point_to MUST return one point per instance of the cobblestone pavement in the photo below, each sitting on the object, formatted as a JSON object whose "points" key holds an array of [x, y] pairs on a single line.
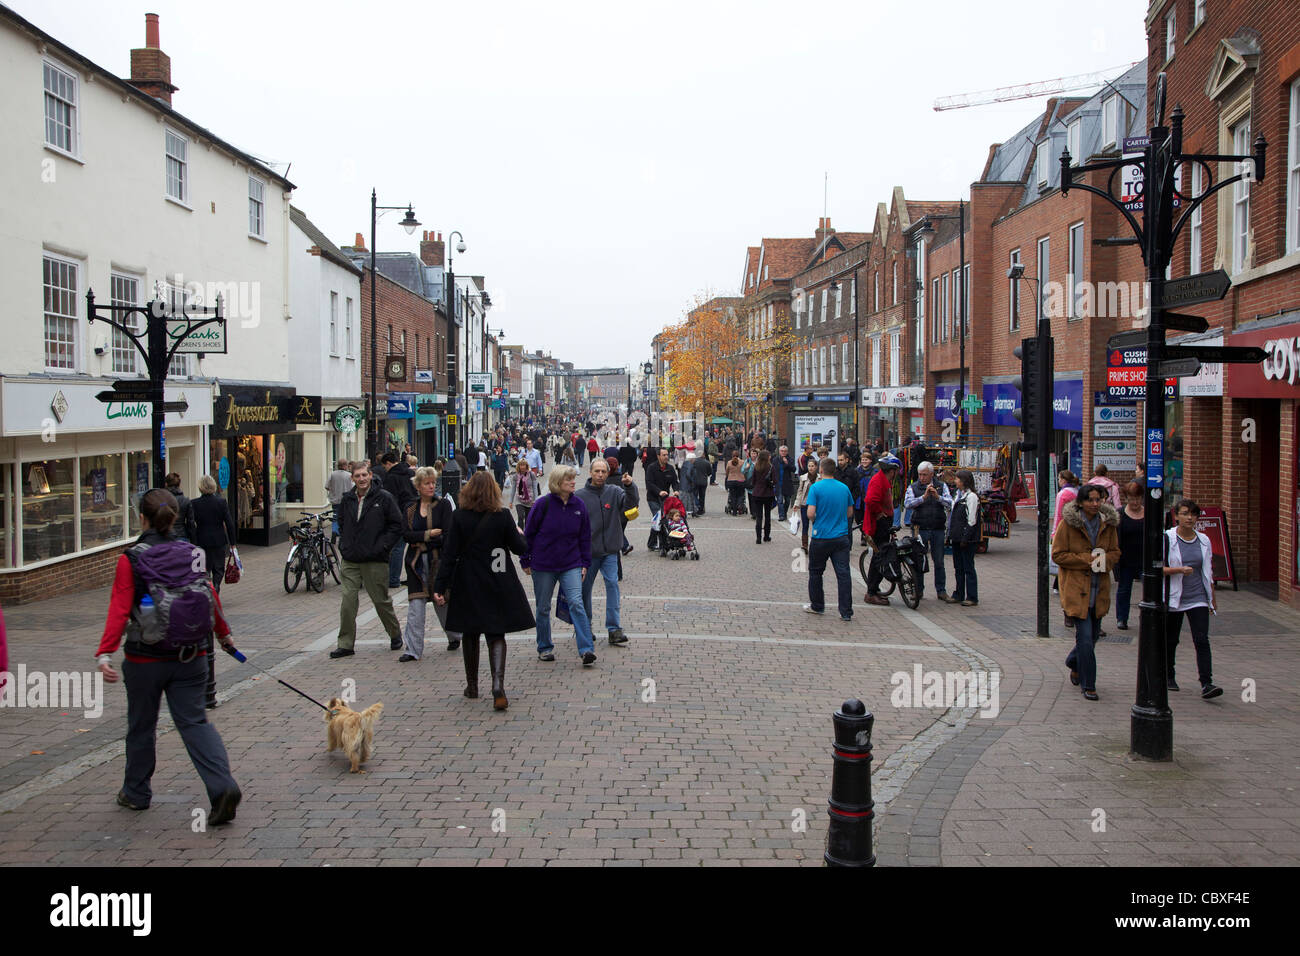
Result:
{"points": [[704, 740]]}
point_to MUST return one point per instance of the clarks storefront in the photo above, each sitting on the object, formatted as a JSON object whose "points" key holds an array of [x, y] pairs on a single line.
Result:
{"points": [[72, 470], [257, 458]]}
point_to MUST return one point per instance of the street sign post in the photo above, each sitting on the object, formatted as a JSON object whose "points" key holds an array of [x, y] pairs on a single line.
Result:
{"points": [[1179, 368], [1248, 354], [1193, 290]]}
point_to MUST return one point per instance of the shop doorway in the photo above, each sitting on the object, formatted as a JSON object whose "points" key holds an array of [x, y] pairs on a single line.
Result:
{"points": [[1264, 491]]}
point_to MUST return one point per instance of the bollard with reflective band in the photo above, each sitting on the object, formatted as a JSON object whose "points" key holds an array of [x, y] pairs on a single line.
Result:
{"points": [[848, 839]]}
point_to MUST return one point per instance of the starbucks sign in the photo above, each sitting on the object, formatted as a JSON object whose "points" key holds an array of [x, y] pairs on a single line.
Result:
{"points": [[348, 419]]}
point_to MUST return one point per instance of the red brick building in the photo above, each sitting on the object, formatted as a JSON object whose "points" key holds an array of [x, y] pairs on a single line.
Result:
{"points": [[1233, 66], [1087, 289]]}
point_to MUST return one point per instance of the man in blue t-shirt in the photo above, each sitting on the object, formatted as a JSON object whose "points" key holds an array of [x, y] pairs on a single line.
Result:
{"points": [[830, 515]]}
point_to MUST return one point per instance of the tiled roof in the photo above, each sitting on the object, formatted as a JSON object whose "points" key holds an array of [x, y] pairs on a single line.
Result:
{"points": [[327, 249]]}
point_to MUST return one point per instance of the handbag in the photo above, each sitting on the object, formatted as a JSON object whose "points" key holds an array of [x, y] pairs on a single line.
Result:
{"points": [[562, 608], [233, 568]]}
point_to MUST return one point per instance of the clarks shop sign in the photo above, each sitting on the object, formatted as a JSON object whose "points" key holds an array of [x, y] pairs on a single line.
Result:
{"points": [[260, 411], [58, 406]]}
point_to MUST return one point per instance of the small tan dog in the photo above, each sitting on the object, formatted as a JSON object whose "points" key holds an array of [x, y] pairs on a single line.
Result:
{"points": [[353, 731]]}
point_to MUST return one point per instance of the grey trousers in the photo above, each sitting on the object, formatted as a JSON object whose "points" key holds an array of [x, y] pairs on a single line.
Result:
{"points": [[184, 684], [413, 636]]}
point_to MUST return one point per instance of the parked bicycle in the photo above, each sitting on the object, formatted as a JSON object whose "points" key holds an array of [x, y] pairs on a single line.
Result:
{"points": [[903, 565], [312, 554]]}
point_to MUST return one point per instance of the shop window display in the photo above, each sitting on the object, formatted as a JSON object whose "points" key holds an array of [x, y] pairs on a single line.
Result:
{"points": [[7, 544], [102, 500], [49, 508], [285, 474], [139, 475], [252, 471]]}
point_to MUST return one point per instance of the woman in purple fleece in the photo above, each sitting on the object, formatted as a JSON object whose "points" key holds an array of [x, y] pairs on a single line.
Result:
{"points": [[559, 551]]}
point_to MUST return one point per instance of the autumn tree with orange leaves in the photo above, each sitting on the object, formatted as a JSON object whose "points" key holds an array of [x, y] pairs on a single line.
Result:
{"points": [[704, 353]]}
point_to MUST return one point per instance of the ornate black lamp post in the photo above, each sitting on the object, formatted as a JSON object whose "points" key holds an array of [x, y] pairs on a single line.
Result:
{"points": [[410, 224]]}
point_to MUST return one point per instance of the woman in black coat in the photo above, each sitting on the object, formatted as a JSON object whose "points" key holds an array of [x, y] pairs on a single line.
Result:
{"points": [[214, 532], [486, 596]]}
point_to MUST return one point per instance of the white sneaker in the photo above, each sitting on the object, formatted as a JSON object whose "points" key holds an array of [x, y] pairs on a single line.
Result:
{"points": [[810, 610]]}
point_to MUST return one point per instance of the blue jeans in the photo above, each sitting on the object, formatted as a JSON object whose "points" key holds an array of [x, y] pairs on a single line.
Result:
{"points": [[1124, 578], [837, 550], [395, 564], [780, 505], [1084, 657], [608, 568], [544, 589], [963, 566], [933, 542]]}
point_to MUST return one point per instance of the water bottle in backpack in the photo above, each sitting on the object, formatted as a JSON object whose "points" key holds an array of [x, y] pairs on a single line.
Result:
{"points": [[176, 610]]}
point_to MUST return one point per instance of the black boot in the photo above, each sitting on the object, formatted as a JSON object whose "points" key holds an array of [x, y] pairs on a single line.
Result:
{"points": [[469, 647], [497, 660]]}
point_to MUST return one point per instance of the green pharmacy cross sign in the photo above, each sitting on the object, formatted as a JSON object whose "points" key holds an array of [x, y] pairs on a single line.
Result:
{"points": [[972, 404]]}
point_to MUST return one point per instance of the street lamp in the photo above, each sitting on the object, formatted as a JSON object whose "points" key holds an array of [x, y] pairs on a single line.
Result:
{"points": [[857, 389], [410, 224], [451, 313], [928, 230]]}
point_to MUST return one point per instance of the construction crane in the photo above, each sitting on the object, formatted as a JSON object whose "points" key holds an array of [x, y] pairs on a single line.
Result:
{"points": [[1028, 91]]}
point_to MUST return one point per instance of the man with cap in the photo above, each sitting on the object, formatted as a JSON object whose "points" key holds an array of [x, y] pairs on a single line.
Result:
{"points": [[879, 521]]}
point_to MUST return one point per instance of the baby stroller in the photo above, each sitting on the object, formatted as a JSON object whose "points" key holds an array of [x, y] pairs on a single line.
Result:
{"points": [[675, 537]]}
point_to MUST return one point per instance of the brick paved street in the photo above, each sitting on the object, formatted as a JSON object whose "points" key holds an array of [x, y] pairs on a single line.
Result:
{"points": [[718, 766]]}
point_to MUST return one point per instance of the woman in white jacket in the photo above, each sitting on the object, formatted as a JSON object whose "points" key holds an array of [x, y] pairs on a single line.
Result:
{"points": [[1190, 577]]}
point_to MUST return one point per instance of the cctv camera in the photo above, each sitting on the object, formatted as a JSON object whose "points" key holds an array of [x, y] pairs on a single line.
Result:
{"points": [[461, 247], [1016, 272], [100, 350]]}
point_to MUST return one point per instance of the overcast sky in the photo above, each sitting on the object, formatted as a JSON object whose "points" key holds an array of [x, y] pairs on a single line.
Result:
{"points": [[605, 162]]}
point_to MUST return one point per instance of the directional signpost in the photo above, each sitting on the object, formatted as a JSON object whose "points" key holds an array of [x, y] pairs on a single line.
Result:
{"points": [[1179, 368], [166, 331], [1149, 183]]}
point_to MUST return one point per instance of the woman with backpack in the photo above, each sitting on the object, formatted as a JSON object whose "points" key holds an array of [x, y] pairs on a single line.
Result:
{"points": [[964, 533], [168, 612]]}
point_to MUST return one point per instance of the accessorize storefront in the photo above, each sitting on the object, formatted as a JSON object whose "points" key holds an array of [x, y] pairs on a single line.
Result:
{"points": [[257, 457], [72, 470]]}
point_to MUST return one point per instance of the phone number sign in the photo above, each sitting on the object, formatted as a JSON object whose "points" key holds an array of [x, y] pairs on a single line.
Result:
{"points": [[1126, 375]]}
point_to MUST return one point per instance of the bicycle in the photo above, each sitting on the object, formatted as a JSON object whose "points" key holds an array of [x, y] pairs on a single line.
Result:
{"points": [[910, 559], [311, 555]]}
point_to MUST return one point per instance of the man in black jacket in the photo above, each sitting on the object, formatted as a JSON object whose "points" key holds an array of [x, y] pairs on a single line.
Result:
{"points": [[369, 526], [660, 480], [398, 483], [627, 456]]}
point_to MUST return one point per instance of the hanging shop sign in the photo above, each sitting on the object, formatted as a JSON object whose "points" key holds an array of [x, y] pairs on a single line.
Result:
{"points": [[1001, 399], [348, 419], [401, 405], [480, 383], [308, 410]]}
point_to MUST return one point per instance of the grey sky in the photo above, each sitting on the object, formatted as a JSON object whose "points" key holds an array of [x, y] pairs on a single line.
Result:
{"points": [[605, 162]]}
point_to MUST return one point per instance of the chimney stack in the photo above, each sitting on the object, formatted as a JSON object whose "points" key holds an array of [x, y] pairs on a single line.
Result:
{"points": [[151, 68], [824, 227], [360, 244], [432, 249]]}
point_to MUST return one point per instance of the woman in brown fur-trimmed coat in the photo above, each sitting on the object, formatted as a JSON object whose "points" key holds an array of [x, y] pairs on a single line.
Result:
{"points": [[1086, 549], [427, 521]]}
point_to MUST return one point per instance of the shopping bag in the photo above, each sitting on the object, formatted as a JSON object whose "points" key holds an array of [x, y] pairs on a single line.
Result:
{"points": [[562, 608], [795, 522]]}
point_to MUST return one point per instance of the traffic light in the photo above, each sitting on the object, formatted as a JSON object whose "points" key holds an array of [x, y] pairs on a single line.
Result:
{"points": [[1033, 381]]}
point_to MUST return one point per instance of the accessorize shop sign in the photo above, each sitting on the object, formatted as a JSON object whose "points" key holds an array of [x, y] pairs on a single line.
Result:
{"points": [[249, 410]]}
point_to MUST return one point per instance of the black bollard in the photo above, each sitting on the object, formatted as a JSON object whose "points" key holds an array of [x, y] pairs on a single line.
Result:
{"points": [[848, 840]]}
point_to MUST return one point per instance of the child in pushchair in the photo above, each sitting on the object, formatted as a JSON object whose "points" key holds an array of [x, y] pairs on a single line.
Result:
{"points": [[675, 538]]}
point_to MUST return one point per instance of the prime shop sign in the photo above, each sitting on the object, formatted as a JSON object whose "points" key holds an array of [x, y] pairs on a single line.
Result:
{"points": [[1126, 374]]}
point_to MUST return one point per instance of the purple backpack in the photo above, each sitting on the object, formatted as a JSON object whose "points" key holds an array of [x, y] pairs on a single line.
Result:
{"points": [[174, 575]]}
